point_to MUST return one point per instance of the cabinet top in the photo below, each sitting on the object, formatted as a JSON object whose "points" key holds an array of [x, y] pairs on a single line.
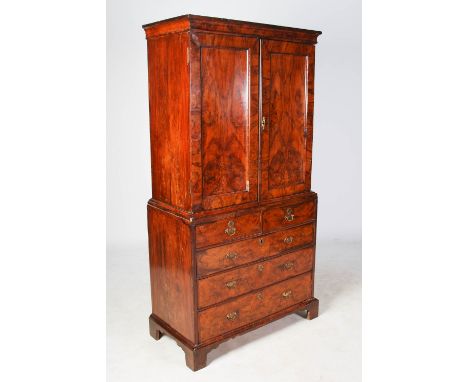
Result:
{"points": [[214, 24]]}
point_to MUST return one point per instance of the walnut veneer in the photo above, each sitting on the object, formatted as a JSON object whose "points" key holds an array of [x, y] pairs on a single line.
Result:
{"points": [[232, 219]]}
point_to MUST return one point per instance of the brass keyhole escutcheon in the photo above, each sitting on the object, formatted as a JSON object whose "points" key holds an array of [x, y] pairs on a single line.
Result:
{"points": [[288, 240], [260, 241], [260, 267], [232, 316], [289, 216], [260, 296], [231, 255], [230, 230]]}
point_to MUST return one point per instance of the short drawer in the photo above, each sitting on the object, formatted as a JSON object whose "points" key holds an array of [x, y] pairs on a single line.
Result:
{"points": [[247, 309], [290, 238], [230, 255], [280, 217], [220, 287], [228, 229]]}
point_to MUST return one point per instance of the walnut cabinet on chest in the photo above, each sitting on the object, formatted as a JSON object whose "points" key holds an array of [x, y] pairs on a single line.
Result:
{"points": [[232, 218]]}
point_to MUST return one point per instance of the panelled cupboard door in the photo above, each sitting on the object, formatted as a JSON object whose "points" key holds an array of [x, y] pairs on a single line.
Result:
{"points": [[287, 109], [224, 119]]}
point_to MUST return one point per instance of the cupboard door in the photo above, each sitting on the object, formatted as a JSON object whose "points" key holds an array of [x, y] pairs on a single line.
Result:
{"points": [[224, 118], [287, 109]]}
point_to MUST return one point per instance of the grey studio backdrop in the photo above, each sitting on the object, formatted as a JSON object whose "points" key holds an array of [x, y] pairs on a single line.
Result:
{"points": [[336, 168]]}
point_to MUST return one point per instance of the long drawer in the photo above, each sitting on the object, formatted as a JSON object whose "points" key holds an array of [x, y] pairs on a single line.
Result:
{"points": [[232, 255], [220, 287], [254, 306]]}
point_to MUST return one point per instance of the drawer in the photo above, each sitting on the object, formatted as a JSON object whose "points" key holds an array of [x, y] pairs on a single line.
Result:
{"points": [[220, 287], [230, 255], [247, 309], [228, 229], [290, 238], [280, 217]]}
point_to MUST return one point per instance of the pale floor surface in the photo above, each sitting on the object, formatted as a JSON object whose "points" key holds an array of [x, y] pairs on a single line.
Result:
{"points": [[327, 348]]}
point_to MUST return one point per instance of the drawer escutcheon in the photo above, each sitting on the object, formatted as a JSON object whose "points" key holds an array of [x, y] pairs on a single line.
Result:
{"points": [[232, 316], [231, 284]]}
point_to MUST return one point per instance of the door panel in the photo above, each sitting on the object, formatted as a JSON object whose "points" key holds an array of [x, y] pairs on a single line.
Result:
{"points": [[287, 105], [228, 119]]}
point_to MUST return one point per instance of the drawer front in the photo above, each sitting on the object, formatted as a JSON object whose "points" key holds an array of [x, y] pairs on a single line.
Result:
{"points": [[280, 217], [254, 306], [291, 238], [220, 287], [230, 255], [228, 229]]}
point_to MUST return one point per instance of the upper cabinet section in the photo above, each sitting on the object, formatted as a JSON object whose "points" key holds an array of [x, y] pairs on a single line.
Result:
{"points": [[231, 107]]}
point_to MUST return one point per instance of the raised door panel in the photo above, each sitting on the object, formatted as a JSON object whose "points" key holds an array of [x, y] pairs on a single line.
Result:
{"points": [[287, 106], [224, 112]]}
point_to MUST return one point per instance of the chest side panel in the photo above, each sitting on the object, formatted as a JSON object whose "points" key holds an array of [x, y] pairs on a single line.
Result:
{"points": [[171, 271]]}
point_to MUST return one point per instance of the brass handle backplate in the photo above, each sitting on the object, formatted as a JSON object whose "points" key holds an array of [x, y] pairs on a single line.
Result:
{"points": [[231, 255], [288, 240], [230, 230], [231, 284], [287, 293], [288, 265], [232, 316], [289, 216], [260, 267]]}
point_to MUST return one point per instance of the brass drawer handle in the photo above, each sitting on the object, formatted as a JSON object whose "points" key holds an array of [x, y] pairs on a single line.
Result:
{"points": [[232, 316], [231, 255], [288, 240], [231, 284], [289, 217], [287, 294], [230, 230], [288, 265], [260, 267]]}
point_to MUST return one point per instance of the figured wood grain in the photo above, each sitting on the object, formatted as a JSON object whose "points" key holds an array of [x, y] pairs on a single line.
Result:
{"points": [[287, 102], [275, 218], [214, 233], [169, 114], [253, 306], [224, 120], [171, 271], [232, 255], [212, 163], [290, 238], [230, 284]]}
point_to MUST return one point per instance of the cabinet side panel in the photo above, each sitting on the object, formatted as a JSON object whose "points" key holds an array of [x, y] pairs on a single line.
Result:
{"points": [[171, 271], [168, 73]]}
